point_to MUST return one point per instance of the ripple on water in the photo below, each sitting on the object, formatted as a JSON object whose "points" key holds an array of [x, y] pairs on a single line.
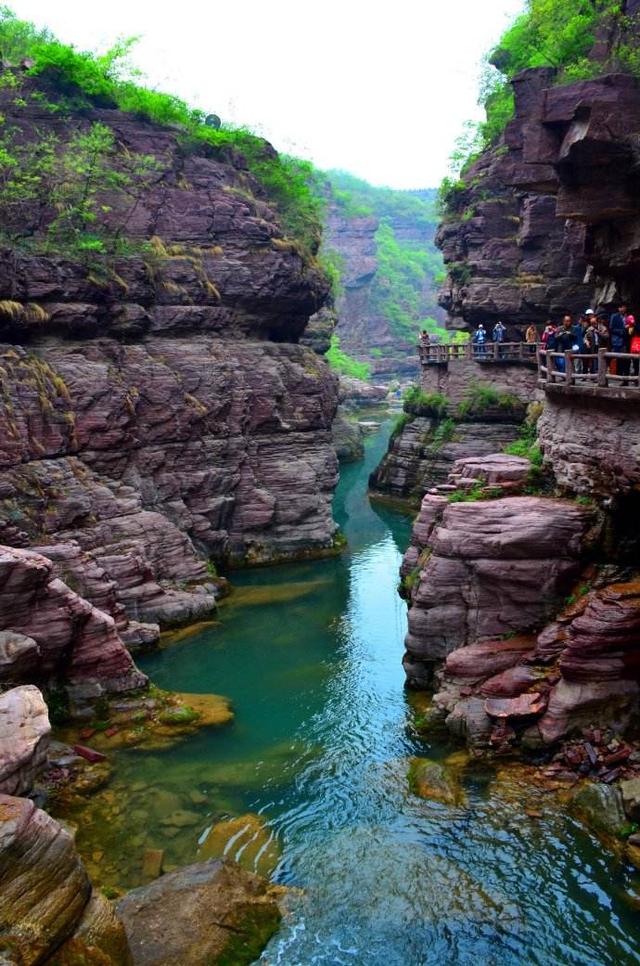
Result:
{"points": [[320, 750]]}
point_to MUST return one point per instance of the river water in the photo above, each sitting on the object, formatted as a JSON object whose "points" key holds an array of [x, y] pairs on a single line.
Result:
{"points": [[310, 657]]}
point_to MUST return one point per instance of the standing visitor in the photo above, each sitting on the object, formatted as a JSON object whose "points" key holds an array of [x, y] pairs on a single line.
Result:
{"points": [[567, 340], [531, 335], [499, 332], [548, 336], [633, 331], [479, 340], [590, 339], [618, 336]]}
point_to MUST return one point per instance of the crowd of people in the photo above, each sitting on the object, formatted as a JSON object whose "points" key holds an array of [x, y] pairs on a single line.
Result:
{"points": [[584, 336]]}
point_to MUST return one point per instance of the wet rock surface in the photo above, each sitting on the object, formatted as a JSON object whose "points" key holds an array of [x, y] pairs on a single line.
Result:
{"points": [[209, 912], [46, 901]]}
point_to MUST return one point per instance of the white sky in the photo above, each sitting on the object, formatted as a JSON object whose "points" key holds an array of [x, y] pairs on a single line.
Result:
{"points": [[379, 89]]}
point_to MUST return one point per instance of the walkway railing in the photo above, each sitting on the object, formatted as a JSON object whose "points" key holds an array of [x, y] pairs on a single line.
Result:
{"points": [[599, 371], [438, 354]]}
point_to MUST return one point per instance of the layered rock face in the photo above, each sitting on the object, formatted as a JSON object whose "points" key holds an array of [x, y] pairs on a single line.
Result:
{"points": [[552, 216], [162, 414], [50, 634], [486, 569], [592, 444], [424, 451], [509, 256], [24, 739], [47, 905], [579, 671]]}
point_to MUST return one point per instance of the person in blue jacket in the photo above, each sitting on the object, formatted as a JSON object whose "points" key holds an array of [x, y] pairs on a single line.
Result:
{"points": [[619, 339]]}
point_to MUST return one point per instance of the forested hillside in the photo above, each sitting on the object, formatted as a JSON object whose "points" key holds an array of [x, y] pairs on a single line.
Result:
{"points": [[382, 240]]}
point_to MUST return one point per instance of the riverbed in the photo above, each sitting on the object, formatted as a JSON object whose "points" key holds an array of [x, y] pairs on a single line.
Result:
{"points": [[309, 655]]}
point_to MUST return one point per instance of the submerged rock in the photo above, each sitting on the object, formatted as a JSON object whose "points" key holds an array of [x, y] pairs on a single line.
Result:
{"points": [[436, 782], [600, 807], [211, 912], [247, 839]]}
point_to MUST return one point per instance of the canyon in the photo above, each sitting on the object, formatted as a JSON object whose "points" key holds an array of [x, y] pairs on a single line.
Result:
{"points": [[166, 417]]}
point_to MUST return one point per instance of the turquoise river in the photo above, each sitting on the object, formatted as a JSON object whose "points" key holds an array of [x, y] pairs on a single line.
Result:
{"points": [[309, 655]]}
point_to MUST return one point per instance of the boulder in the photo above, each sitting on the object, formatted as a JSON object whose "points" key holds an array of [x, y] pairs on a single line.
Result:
{"points": [[600, 807], [43, 885], [494, 568], [630, 790], [24, 739], [208, 912]]}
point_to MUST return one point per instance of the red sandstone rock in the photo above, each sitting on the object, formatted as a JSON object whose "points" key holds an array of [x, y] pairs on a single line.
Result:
{"points": [[478, 662], [24, 739], [75, 641], [89, 754], [496, 567], [46, 896], [522, 706]]}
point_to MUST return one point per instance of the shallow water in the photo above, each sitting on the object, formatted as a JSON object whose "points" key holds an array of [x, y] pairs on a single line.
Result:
{"points": [[319, 748]]}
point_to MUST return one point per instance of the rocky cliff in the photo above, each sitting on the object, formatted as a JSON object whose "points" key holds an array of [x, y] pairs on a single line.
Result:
{"points": [[525, 608], [466, 407], [156, 409]]}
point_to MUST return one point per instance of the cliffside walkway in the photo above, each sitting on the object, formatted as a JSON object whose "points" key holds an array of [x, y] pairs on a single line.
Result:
{"points": [[511, 352], [612, 374]]}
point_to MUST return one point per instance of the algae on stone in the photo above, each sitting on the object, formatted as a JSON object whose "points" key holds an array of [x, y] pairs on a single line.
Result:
{"points": [[247, 839]]}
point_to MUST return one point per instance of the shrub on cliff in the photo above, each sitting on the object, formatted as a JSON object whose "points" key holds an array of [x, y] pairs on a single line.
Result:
{"points": [[342, 362], [425, 403], [549, 33], [85, 79], [479, 398]]}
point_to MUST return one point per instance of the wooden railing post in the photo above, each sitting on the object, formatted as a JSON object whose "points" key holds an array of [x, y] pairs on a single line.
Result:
{"points": [[602, 367], [568, 368]]}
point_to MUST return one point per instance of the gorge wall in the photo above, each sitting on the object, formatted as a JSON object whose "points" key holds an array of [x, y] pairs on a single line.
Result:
{"points": [[524, 610], [156, 409]]}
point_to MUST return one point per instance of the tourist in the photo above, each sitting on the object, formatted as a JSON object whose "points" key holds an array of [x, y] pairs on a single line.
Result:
{"points": [[590, 340], [633, 332], [567, 339], [479, 340], [424, 339], [548, 335], [531, 335], [604, 340], [499, 332], [619, 341]]}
